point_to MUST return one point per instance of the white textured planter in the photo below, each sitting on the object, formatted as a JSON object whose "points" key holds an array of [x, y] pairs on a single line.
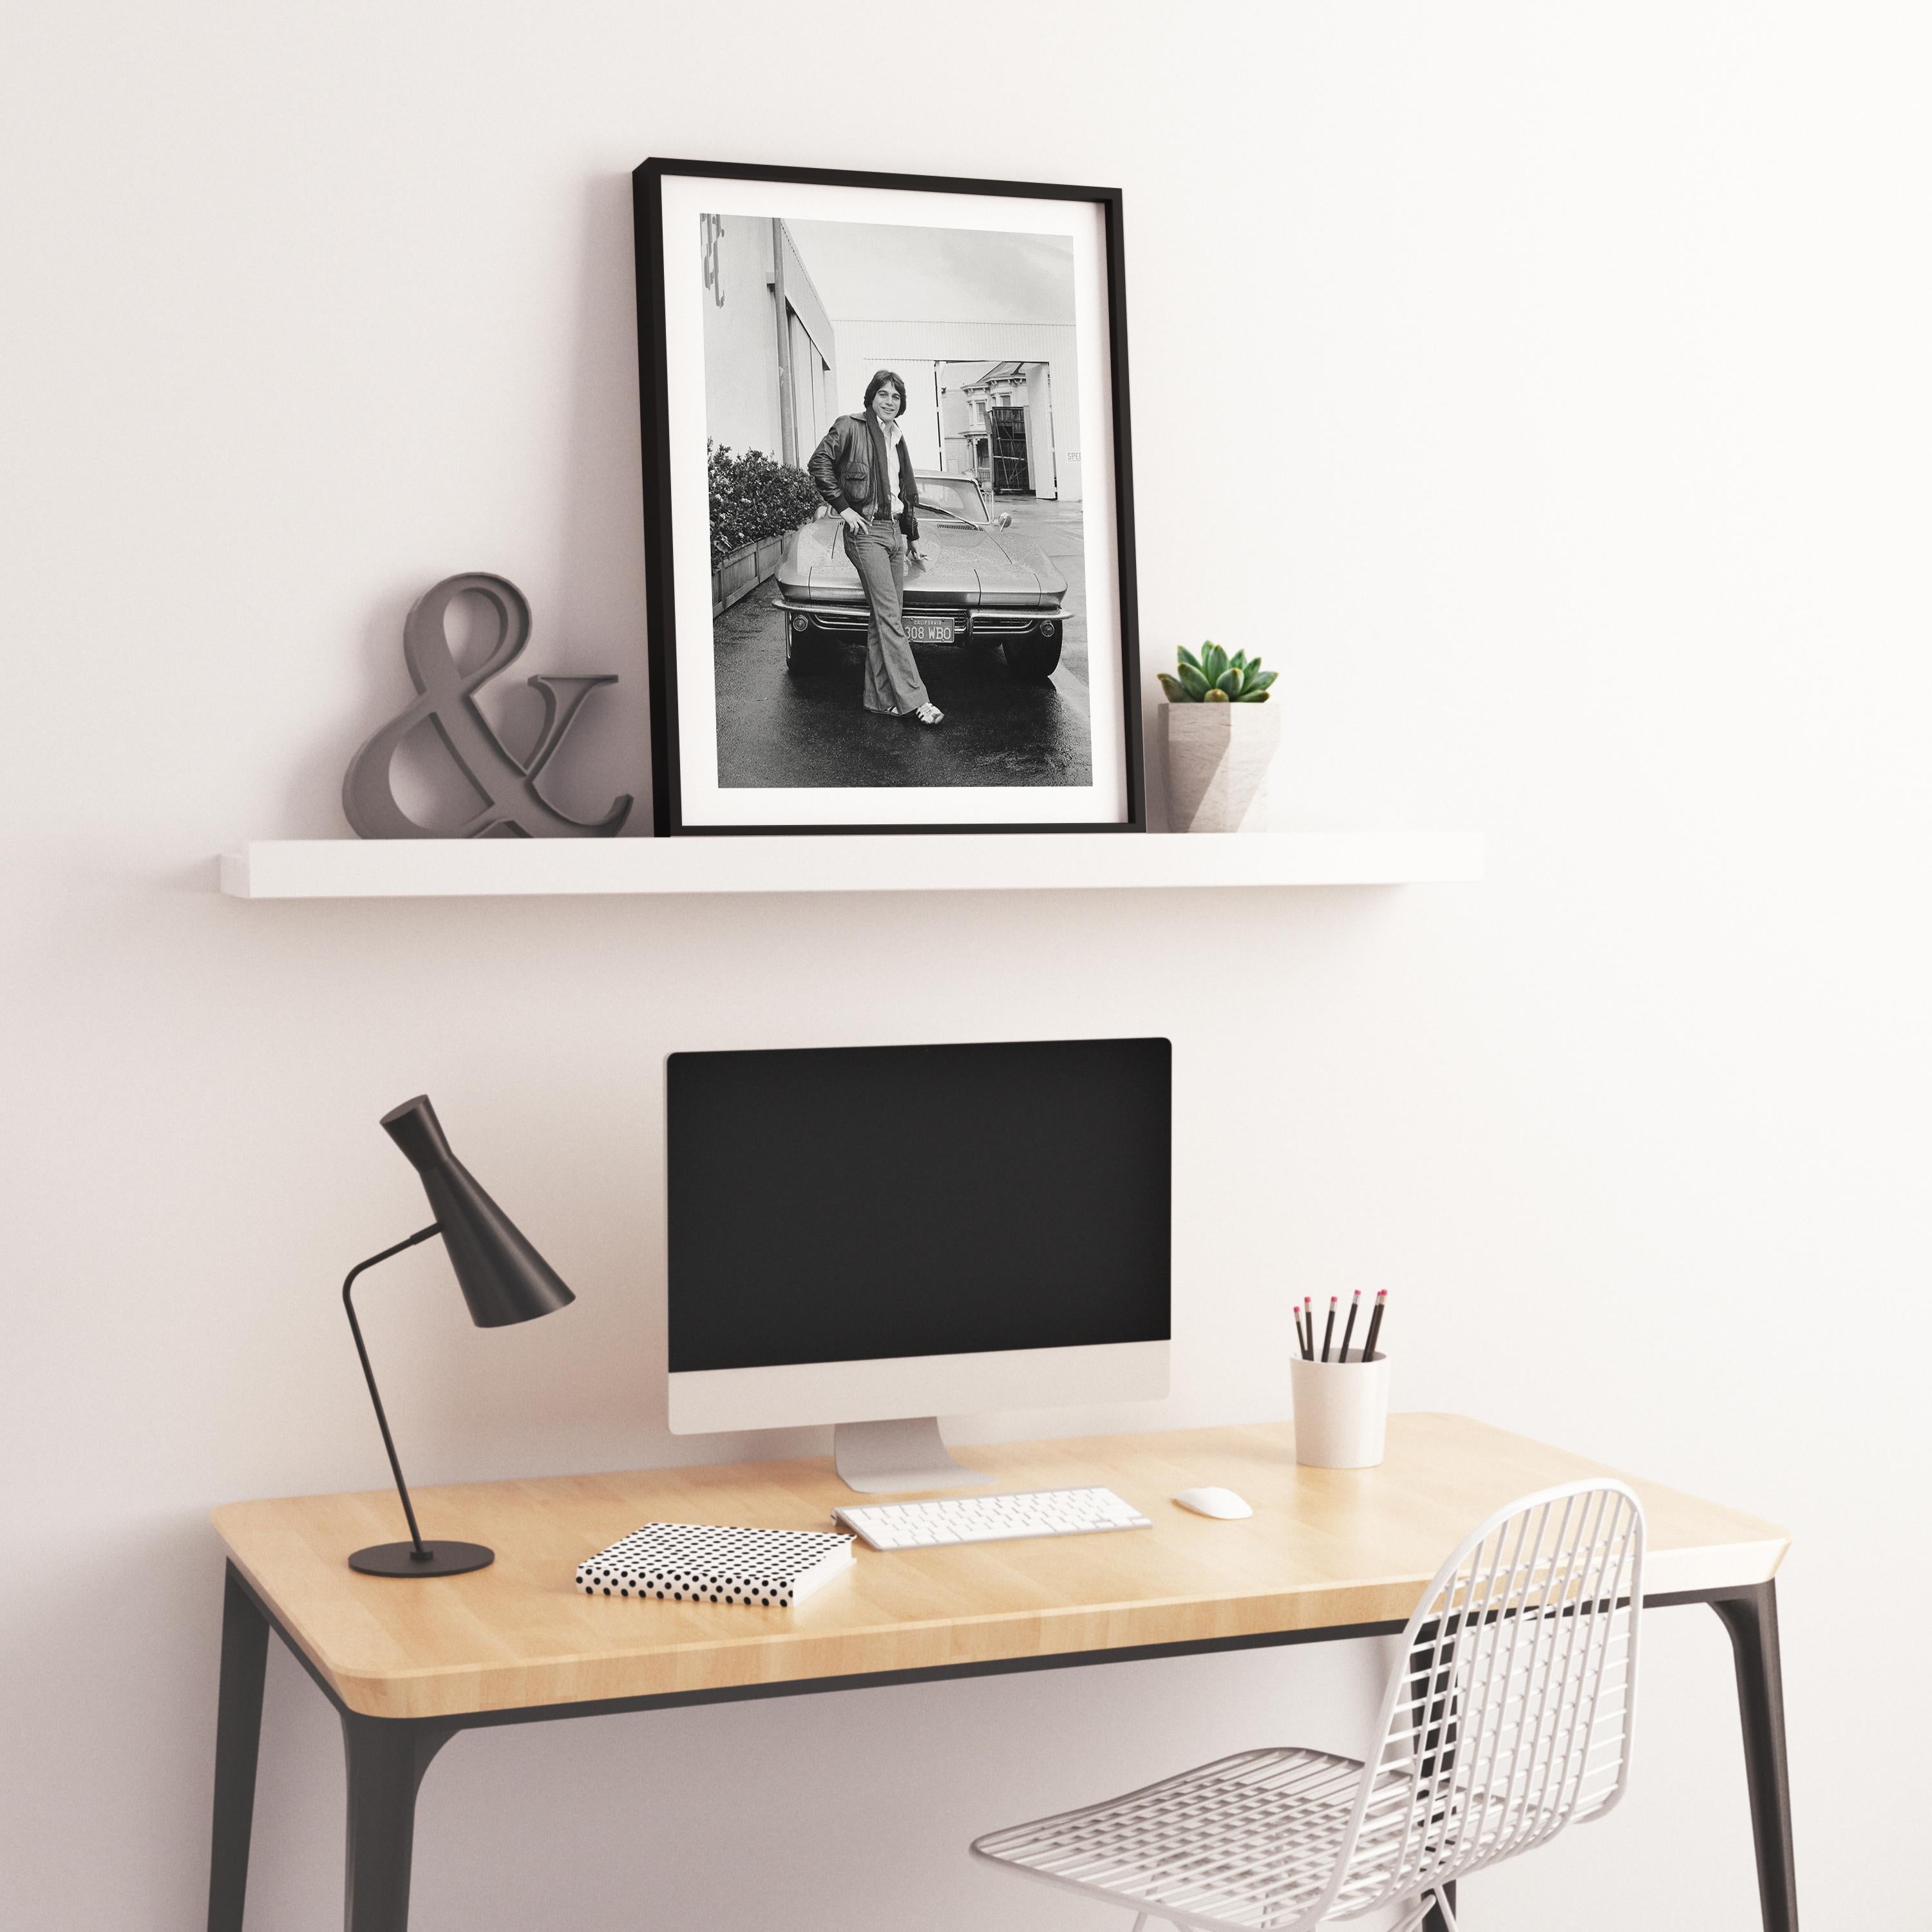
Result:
{"points": [[1218, 757]]}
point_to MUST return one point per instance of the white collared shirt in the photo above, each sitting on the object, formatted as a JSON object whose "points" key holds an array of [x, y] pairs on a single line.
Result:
{"points": [[889, 431]]}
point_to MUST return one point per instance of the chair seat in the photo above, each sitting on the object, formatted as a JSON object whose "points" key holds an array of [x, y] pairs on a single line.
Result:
{"points": [[1248, 1843], [1506, 1718]]}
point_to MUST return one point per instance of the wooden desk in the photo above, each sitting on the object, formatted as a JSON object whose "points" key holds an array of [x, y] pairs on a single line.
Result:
{"points": [[1328, 1554]]}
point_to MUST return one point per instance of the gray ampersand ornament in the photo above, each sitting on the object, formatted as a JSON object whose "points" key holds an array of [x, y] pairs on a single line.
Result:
{"points": [[506, 783]]}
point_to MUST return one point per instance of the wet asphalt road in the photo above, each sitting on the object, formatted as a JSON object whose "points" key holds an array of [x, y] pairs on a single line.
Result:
{"points": [[777, 729]]}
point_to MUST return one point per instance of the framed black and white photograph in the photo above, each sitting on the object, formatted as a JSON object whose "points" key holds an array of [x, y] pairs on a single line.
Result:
{"points": [[888, 511]]}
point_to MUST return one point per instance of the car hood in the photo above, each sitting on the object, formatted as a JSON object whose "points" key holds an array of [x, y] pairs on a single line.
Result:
{"points": [[965, 563]]}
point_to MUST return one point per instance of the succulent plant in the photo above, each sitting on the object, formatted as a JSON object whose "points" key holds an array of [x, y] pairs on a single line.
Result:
{"points": [[1215, 678]]}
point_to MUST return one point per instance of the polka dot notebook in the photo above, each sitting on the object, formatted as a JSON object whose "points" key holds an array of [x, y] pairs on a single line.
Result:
{"points": [[707, 1563]]}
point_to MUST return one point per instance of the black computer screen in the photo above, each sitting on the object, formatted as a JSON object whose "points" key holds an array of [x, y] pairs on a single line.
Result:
{"points": [[856, 1203]]}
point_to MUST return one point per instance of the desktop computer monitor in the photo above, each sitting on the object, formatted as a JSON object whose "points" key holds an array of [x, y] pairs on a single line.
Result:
{"points": [[875, 1237]]}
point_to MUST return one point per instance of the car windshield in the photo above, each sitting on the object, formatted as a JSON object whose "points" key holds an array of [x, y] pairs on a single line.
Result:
{"points": [[953, 497]]}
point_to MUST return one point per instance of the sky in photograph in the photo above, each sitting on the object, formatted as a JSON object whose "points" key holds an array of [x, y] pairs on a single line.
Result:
{"points": [[868, 272]]}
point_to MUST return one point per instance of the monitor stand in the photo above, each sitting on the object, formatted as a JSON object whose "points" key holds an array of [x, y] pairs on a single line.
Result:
{"points": [[880, 1458]]}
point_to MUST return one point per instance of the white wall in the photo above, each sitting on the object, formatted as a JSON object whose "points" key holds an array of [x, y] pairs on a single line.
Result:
{"points": [[1592, 508]]}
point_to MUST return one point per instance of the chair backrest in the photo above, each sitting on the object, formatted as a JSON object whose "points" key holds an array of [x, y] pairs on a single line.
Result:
{"points": [[1509, 1714]]}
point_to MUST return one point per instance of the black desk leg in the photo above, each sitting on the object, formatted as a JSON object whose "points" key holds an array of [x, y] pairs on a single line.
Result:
{"points": [[387, 1758], [238, 1742], [1751, 1618]]}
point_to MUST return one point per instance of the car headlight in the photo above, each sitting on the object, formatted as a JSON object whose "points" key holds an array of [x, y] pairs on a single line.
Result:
{"points": [[1046, 627], [799, 621]]}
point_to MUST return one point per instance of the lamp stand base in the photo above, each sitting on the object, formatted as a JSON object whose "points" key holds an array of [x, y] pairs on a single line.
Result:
{"points": [[400, 1559]]}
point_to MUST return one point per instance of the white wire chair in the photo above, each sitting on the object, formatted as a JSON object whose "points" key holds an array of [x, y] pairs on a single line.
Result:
{"points": [[1508, 1718]]}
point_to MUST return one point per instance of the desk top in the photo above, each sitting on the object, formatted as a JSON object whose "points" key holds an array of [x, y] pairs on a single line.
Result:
{"points": [[1324, 1549]]}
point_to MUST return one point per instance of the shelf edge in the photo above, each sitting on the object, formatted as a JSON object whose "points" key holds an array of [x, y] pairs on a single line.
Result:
{"points": [[351, 868]]}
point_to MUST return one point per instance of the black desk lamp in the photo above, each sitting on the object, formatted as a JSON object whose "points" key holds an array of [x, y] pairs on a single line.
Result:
{"points": [[503, 1278]]}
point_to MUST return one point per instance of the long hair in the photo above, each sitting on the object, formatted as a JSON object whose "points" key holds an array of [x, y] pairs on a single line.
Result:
{"points": [[879, 381]]}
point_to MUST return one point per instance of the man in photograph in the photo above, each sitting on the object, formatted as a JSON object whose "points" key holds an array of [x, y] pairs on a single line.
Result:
{"points": [[863, 471]]}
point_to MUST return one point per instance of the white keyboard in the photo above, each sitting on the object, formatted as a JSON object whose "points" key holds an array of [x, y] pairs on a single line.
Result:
{"points": [[989, 1519]]}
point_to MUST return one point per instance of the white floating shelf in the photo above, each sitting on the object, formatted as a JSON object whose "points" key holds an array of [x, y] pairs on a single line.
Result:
{"points": [[342, 869]]}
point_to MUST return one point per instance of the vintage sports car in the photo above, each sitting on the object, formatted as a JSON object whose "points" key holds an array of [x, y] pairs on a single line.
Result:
{"points": [[980, 585]]}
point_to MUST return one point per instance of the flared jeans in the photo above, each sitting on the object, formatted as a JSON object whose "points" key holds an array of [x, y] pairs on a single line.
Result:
{"points": [[893, 682]]}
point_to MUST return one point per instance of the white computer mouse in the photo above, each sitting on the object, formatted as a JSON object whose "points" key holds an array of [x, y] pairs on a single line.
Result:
{"points": [[1223, 1503]]}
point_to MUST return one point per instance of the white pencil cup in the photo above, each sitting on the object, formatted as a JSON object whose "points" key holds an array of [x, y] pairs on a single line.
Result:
{"points": [[1341, 1411]]}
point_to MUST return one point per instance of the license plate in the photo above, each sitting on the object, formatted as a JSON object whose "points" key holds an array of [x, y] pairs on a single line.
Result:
{"points": [[929, 630]]}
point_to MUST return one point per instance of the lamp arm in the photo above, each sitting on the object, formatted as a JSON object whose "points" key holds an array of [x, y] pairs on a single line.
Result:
{"points": [[369, 1376]]}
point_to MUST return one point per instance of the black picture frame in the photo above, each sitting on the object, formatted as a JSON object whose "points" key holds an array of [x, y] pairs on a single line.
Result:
{"points": [[668, 803]]}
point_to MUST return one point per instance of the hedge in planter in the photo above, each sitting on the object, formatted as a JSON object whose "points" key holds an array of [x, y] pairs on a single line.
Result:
{"points": [[753, 498]]}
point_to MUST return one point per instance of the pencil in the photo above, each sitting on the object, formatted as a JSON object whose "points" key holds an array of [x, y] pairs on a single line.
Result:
{"points": [[1374, 1326], [1328, 1333], [1308, 1313], [1355, 1309], [1301, 1339]]}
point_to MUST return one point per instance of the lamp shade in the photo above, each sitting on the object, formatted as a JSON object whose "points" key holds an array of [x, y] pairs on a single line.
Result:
{"points": [[503, 1278]]}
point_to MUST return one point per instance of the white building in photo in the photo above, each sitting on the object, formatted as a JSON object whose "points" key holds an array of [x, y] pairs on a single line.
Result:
{"points": [[770, 354], [989, 394], [1006, 438], [958, 406]]}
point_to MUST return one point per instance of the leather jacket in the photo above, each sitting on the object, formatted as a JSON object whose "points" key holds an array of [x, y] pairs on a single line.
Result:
{"points": [[841, 467]]}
